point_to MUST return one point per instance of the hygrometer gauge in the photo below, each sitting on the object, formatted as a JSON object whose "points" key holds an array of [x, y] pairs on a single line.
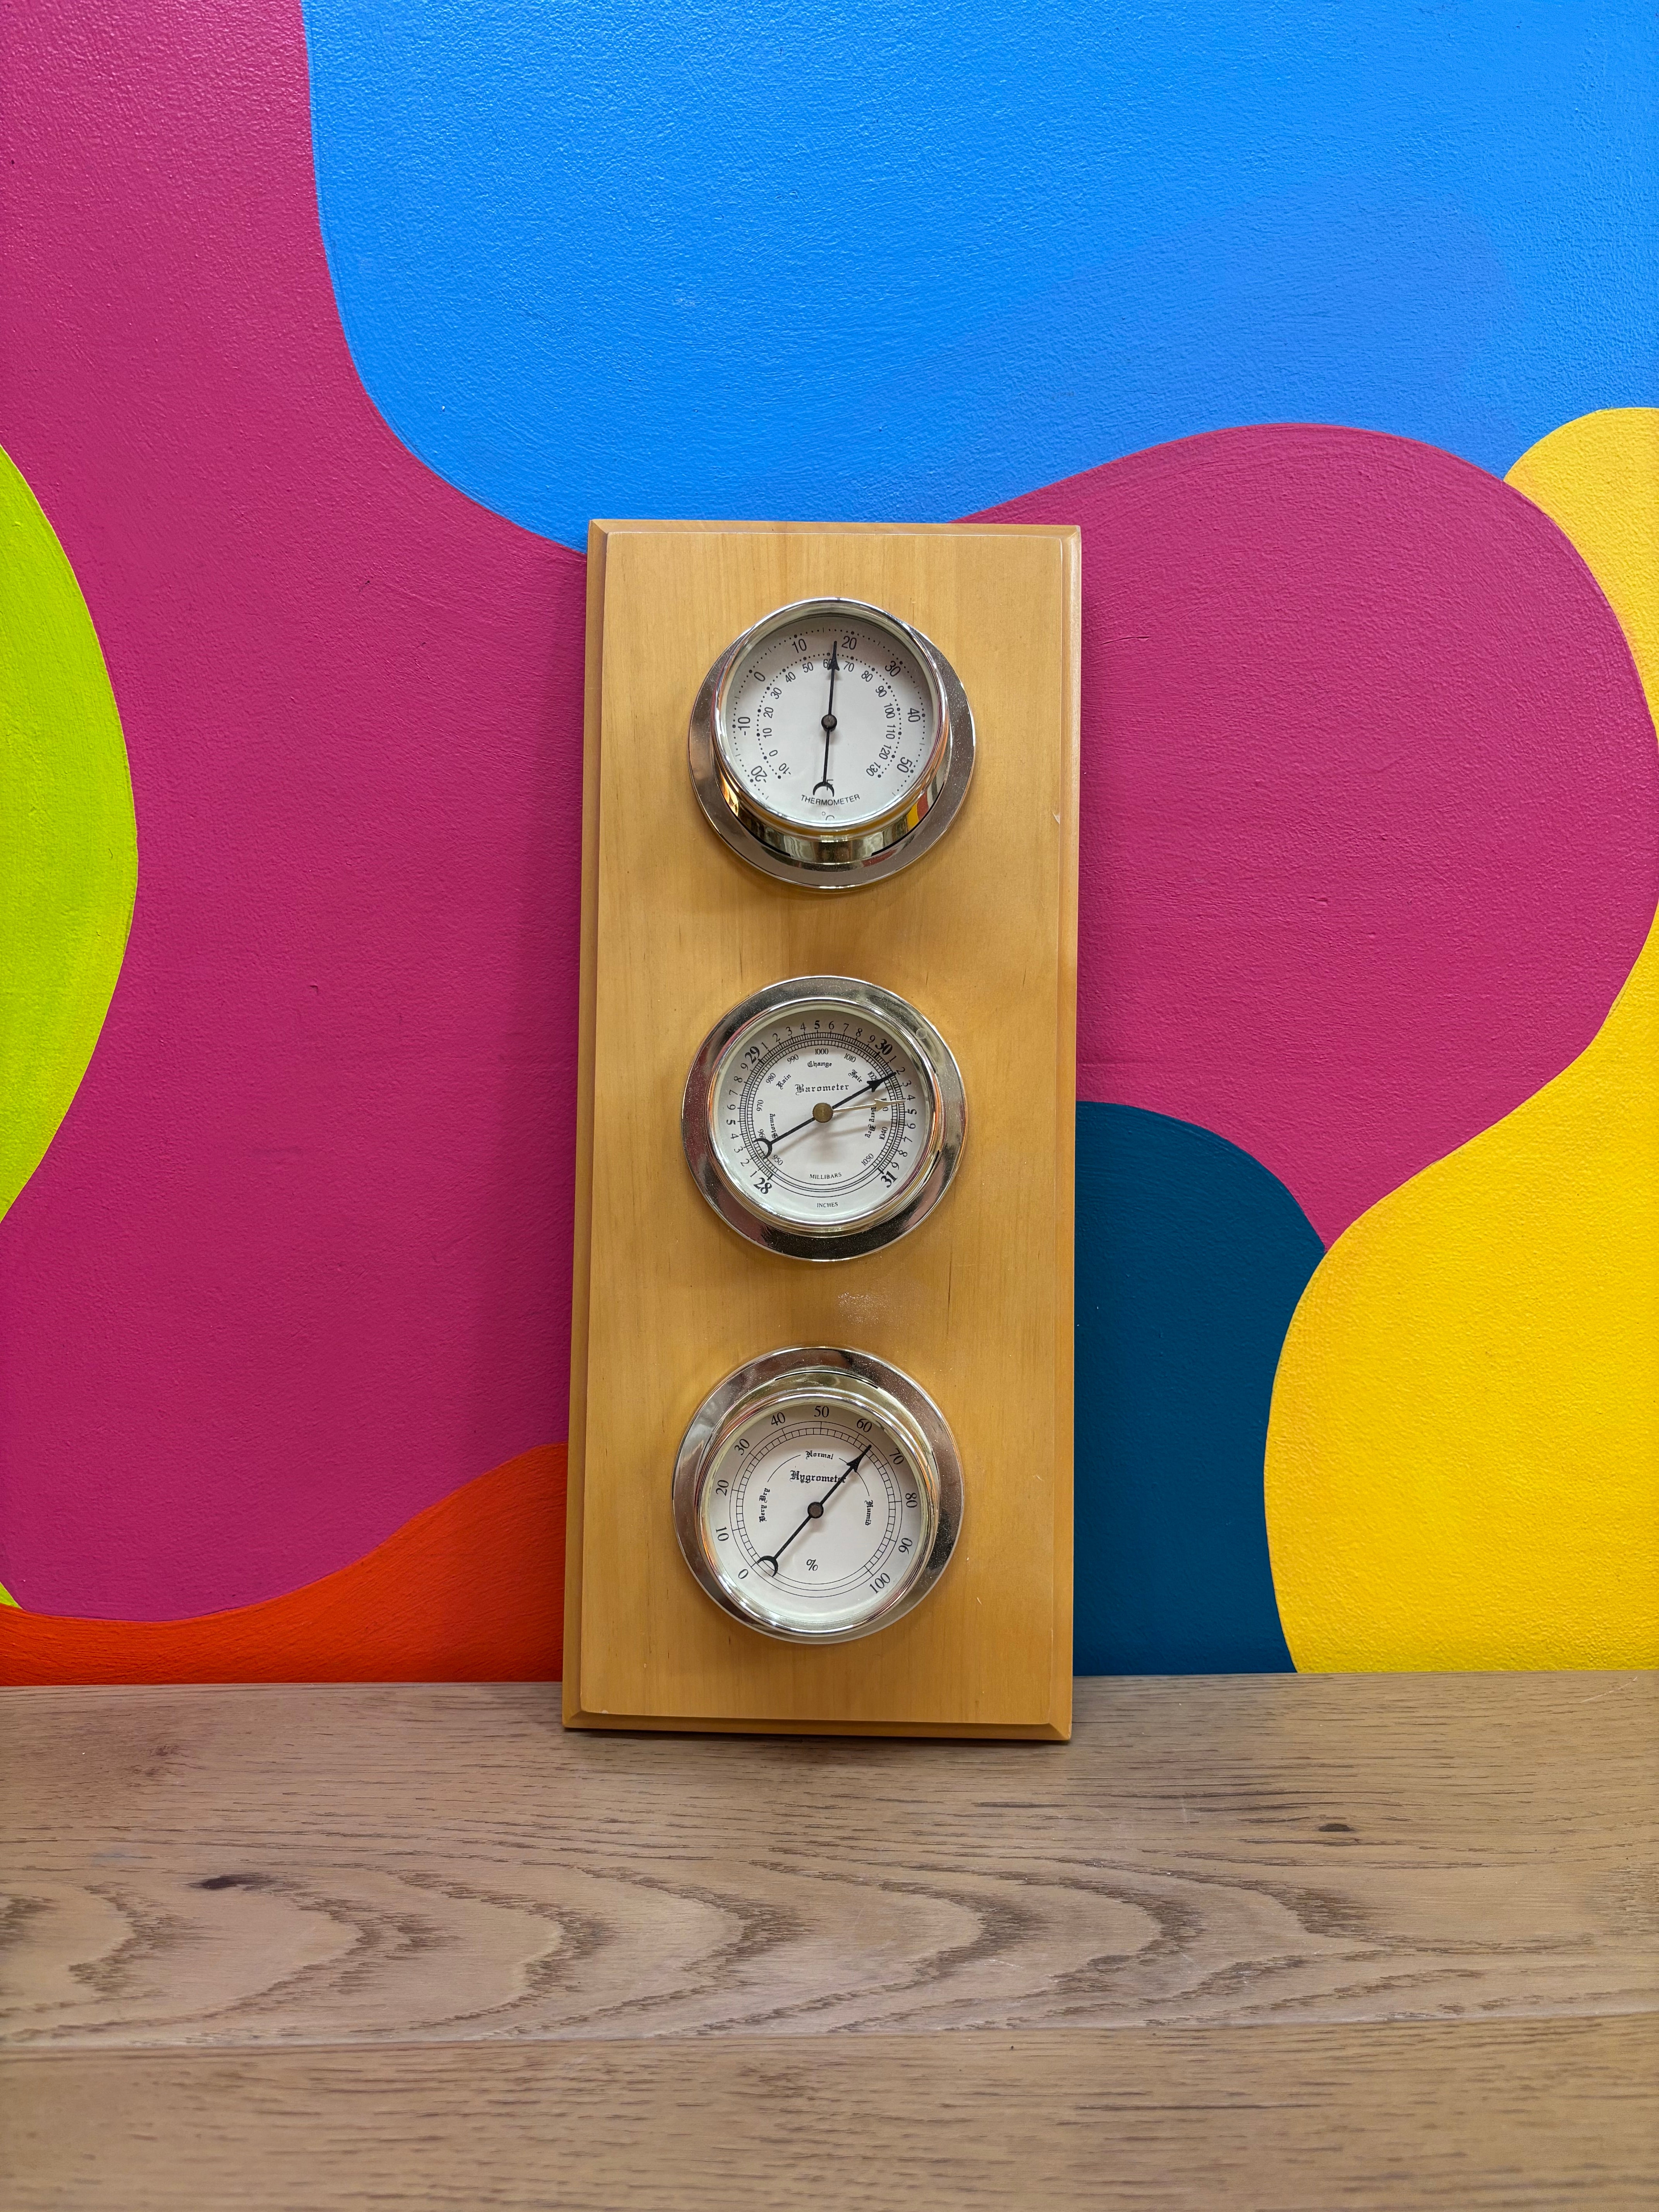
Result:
{"points": [[831, 743], [818, 1494], [823, 1117]]}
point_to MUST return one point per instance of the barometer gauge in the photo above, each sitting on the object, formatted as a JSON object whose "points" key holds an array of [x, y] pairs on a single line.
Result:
{"points": [[823, 1117], [818, 1494], [831, 743]]}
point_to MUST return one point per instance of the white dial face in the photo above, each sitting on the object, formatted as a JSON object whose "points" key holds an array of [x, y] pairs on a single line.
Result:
{"points": [[817, 1511], [830, 723], [822, 1116]]}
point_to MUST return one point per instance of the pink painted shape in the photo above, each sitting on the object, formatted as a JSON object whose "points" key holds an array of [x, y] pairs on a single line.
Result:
{"points": [[1370, 798], [298, 1261]]}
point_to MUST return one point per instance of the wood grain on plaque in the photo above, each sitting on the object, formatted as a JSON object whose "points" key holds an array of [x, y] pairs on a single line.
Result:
{"points": [[271, 1866], [980, 934], [1522, 2114]]}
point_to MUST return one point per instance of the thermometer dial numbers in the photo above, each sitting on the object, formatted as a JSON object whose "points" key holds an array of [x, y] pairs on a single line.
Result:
{"points": [[817, 1495], [831, 743], [831, 727], [823, 1117]]}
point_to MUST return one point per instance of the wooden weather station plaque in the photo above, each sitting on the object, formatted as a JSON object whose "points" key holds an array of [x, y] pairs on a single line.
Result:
{"points": [[821, 1377]]}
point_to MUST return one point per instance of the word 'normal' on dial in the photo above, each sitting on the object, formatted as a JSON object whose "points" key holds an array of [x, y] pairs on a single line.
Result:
{"points": [[830, 724], [818, 1494], [821, 1506]]}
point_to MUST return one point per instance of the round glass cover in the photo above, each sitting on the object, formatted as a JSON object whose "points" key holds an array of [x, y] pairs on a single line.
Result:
{"points": [[831, 743], [823, 1116], [813, 1501], [830, 720]]}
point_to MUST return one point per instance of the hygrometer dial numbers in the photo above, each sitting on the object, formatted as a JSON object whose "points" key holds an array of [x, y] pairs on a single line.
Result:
{"points": [[818, 1494], [823, 1117], [831, 743]]}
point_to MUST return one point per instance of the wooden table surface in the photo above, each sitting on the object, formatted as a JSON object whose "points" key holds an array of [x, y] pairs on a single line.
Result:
{"points": [[1273, 1940]]}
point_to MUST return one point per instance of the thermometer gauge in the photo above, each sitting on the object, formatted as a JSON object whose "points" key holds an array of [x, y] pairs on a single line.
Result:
{"points": [[818, 1494], [831, 743], [823, 1117]]}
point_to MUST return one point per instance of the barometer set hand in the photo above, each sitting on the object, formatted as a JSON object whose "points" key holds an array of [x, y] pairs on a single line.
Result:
{"points": [[821, 1113]]}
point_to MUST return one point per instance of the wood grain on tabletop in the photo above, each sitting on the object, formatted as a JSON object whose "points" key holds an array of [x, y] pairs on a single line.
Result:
{"points": [[977, 1305], [378, 1863], [1522, 2114]]}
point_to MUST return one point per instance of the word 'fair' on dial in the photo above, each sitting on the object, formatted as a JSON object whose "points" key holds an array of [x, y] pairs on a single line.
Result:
{"points": [[829, 725], [822, 1114]]}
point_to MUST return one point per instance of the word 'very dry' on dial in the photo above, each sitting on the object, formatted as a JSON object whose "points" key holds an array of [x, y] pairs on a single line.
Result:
{"points": [[818, 1494]]}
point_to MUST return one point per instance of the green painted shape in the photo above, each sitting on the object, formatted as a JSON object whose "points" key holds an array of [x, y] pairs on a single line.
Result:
{"points": [[68, 847], [6, 1597]]}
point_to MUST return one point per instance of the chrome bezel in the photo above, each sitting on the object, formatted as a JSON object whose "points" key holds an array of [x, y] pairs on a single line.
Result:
{"points": [[850, 1377], [911, 1204], [783, 849]]}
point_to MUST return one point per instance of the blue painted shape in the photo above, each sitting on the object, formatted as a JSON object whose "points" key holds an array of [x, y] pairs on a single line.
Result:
{"points": [[1190, 1260], [636, 257]]}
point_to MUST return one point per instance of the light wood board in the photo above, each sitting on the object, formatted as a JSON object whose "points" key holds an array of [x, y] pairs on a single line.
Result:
{"points": [[267, 1867], [981, 935], [1528, 2115]]}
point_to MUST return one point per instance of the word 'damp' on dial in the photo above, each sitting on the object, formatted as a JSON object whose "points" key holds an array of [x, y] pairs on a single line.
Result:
{"points": [[818, 1494]]}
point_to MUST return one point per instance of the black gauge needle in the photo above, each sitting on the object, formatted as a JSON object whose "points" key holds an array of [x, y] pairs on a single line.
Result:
{"points": [[829, 723], [824, 1109], [814, 1512]]}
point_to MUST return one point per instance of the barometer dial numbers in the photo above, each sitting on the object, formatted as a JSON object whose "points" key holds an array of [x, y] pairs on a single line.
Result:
{"points": [[818, 1494], [823, 1117]]}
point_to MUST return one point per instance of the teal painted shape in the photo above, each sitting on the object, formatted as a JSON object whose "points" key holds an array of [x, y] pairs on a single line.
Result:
{"points": [[1190, 1260]]}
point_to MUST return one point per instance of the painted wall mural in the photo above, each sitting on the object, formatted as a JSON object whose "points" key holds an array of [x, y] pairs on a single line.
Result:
{"points": [[68, 858], [1461, 1463], [1349, 324], [918, 257]]}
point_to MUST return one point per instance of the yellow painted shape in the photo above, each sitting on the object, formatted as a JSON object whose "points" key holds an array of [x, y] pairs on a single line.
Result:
{"points": [[1598, 480], [69, 856], [6, 1597], [1463, 1465]]}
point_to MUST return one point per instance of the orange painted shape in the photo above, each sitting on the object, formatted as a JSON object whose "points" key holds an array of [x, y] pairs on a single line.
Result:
{"points": [[471, 1590]]}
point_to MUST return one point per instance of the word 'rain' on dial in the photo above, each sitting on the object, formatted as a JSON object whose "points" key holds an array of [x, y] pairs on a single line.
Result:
{"points": [[823, 1117]]}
